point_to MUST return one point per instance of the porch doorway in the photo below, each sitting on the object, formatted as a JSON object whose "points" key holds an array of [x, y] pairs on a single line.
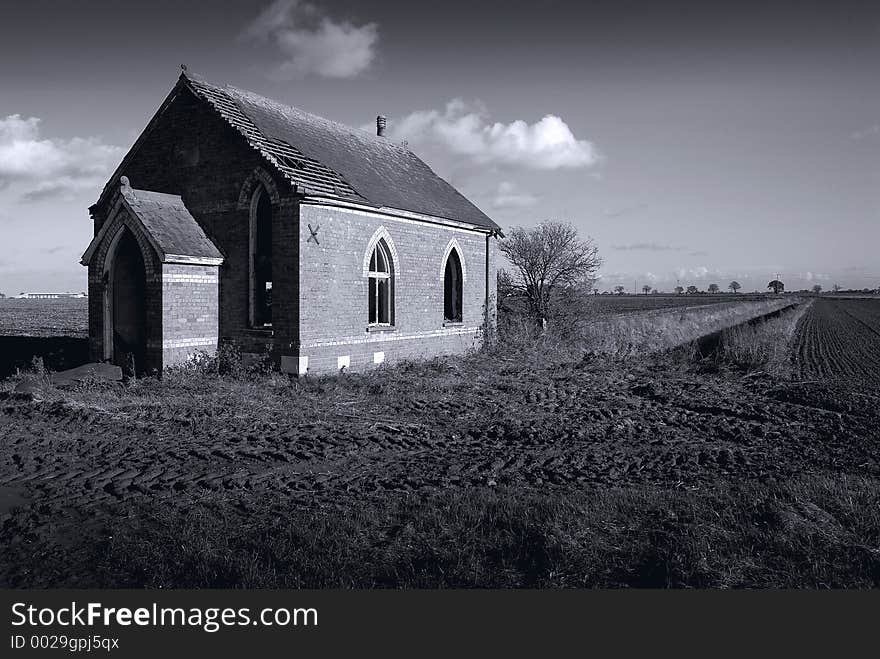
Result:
{"points": [[129, 284]]}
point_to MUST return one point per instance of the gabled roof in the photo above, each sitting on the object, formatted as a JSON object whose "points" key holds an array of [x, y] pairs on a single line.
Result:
{"points": [[171, 230], [328, 159]]}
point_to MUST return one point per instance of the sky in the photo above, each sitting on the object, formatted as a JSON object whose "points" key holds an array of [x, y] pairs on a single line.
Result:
{"points": [[694, 142]]}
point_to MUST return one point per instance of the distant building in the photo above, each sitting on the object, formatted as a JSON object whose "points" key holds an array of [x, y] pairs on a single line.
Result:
{"points": [[48, 296]]}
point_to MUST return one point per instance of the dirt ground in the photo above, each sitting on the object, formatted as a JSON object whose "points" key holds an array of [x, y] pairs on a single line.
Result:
{"points": [[839, 340], [486, 422], [46, 318]]}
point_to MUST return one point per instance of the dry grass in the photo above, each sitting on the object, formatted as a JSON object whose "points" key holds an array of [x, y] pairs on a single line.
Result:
{"points": [[222, 385], [581, 327], [655, 331], [818, 532], [763, 345]]}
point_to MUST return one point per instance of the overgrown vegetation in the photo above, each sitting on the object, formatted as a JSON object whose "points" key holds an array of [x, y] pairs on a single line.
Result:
{"points": [[579, 330], [817, 532], [579, 327], [226, 361], [763, 345]]}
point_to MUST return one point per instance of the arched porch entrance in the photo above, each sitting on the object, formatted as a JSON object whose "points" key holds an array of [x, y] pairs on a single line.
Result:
{"points": [[127, 306]]}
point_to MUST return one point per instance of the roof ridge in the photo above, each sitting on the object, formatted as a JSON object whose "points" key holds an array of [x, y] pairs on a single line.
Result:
{"points": [[321, 157], [155, 193], [339, 124], [292, 166]]}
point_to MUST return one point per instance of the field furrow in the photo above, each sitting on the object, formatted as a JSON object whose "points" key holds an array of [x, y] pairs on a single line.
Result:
{"points": [[839, 340]]}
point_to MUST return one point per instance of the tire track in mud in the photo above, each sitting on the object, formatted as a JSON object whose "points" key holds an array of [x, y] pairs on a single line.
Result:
{"points": [[559, 428]]}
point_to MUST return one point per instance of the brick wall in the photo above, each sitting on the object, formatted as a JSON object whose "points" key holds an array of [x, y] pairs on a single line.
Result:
{"points": [[194, 153], [181, 301], [333, 295], [190, 311]]}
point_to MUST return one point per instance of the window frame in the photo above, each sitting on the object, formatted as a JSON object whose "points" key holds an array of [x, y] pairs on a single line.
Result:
{"points": [[376, 277], [260, 193], [458, 291]]}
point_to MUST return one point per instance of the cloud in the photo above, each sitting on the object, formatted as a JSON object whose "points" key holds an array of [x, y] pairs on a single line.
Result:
{"points": [[646, 247], [45, 168], [871, 131], [700, 272], [626, 210], [752, 278], [312, 43], [633, 281], [812, 276], [466, 129], [507, 196]]}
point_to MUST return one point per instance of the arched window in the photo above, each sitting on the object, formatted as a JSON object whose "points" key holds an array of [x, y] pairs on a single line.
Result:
{"points": [[452, 288], [261, 259], [381, 285]]}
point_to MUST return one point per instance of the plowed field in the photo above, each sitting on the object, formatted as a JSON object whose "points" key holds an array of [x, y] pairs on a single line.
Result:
{"points": [[72, 459], [839, 340], [561, 429]]}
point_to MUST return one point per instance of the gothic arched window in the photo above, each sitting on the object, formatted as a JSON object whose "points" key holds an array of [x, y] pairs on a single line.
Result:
{"points": [[381, 285], [452, 288], [261, 258]]}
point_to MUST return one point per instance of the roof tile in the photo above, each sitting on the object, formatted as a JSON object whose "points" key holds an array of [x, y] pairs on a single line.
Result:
{"points": [[326, 158], [170, 224]]}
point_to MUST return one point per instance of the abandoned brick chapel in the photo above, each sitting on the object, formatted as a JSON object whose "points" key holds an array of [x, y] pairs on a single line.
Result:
{"points": [[235, 218]]}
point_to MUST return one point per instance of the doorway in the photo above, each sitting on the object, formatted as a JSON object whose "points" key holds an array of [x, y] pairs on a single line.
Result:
{"points": [[129, 317]]}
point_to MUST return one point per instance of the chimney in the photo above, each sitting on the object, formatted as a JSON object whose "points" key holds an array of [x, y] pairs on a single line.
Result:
{"points": [[380, 125]]}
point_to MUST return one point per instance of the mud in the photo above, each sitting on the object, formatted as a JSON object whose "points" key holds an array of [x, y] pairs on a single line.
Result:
{"points": [[575, 427], [839, 341], [572, 427]]}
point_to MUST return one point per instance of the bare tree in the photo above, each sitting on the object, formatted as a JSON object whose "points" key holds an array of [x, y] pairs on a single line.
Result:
{"points": [[713, 288], [817, 288], [837, 288], [547, 258], [734, 286], [679, 290], [646, 289], [777, 286]]}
